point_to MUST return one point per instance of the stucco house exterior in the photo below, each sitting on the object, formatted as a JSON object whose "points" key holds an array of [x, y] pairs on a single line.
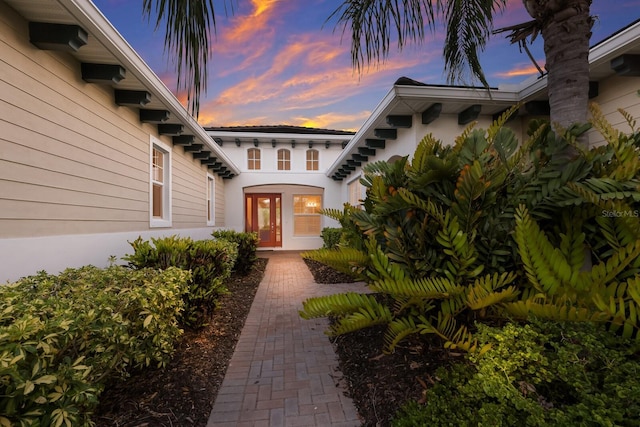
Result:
{"points": [[282, 182], [96, 151]]}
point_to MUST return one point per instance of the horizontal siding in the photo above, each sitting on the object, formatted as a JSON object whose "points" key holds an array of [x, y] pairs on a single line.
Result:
{"points": [[617, 93], [220, 202], [20, 191], [38, 228], [71, 161], [188, 191]]}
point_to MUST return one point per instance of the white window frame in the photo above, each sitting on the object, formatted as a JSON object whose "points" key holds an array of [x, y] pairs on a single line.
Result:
{"points": [[303, 215], [165, 220], [356, 192], [284, 162], [211, 200], [259, 160], [316, 161]]}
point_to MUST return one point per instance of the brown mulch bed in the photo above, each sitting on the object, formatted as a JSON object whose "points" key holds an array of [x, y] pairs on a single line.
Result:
{"points": [[183, 394], [325, 274], [380, 383]]}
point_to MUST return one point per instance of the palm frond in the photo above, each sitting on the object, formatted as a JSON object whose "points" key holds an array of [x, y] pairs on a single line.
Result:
{"points": [[469, 26], [188, 29], [374, 24]]}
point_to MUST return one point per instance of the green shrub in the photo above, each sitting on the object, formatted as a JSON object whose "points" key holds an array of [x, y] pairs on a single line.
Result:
{"points": [[490, 228], [210, 262], [560, 374], [63, 337], [331, 237], [247, 248]]}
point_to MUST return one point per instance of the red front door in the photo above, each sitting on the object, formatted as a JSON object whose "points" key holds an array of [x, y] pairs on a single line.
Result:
{"points": [[263, 215]]}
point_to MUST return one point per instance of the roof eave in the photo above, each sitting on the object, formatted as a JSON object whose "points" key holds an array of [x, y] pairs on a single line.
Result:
{"points": [[90, 17]]}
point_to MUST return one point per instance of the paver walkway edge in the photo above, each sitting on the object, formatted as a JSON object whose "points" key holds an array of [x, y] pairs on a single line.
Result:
{"points": [[284, 368]]}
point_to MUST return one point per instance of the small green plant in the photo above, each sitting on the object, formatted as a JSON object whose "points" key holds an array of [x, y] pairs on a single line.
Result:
{"points": [[542, 374], [62, 338], [247, 248], [331, 237], [210, 263]]}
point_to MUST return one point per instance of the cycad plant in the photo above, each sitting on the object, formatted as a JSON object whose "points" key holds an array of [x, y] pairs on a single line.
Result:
{"points": [[462, 233]]}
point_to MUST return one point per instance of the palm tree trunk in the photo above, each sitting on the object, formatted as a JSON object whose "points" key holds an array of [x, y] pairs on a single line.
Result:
{"points": [[566, 45]]}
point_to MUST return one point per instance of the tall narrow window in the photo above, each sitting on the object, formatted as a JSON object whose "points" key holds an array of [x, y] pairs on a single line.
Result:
{"points": [[160, 185], [284, 160], [312, 160], [211, 197], [306, 215], [355, 192], [253, 156]]}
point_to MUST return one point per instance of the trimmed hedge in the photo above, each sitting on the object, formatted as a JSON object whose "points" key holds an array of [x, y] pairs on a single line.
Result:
{"points": [[63, 337], [247, 248], [210, 263]]}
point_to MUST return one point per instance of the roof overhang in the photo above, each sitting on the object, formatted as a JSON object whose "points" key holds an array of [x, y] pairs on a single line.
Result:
{"points": [[251, 138], [105, 45], [409, 99]]}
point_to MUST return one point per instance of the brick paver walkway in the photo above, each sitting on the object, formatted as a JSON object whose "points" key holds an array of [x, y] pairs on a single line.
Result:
{"points": [[284, 369]]}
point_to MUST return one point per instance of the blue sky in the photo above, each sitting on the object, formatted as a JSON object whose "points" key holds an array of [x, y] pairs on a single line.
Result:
{"points": [[281, 62]]}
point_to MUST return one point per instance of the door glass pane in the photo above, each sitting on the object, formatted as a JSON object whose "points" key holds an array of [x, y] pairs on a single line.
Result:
{"points": [[278, 225], [249, 214], [264, 218]]}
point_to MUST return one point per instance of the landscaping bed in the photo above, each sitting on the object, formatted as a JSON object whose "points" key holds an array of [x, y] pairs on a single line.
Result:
{"points": [[184, 392]]}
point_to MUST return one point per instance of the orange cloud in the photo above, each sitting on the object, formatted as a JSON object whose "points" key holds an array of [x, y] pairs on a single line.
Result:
{"points": [[243, 29], [333, 120], [320, 74], [517, 72]]}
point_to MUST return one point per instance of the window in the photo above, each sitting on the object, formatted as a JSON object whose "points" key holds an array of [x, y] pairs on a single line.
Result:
{"points": [[253, 156], [355, 192], [284, 160], [211, 197], [306, 216], [312, 160], [160, 185]]}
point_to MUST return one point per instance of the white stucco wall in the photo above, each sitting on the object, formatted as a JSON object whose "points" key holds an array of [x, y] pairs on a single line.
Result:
{"points": [[288, 183]]}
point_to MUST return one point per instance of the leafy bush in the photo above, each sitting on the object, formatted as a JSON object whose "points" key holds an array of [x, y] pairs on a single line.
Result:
{"points": [[63, 337], [247, 248], [331, 237], [560, 374], [351, 235], [210, 263], [489, 228]]}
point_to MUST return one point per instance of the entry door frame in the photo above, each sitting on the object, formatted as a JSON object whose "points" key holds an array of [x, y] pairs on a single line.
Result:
{"points": [[271, 237]]}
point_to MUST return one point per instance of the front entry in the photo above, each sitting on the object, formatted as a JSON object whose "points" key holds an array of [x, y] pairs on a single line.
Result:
{"points": [[263, 215]]}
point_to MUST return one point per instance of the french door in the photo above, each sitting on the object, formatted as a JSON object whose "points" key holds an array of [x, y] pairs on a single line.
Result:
{"points": [[263, 215]]}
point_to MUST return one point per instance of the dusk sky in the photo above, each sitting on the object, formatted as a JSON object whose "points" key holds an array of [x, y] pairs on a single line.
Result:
{"points": [[280, 61]]}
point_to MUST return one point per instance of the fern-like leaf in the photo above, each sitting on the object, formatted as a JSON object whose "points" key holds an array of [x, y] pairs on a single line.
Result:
{"points": [[397, 330], [344, 259], [366, 316], [425, 288], [336, 305]]}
